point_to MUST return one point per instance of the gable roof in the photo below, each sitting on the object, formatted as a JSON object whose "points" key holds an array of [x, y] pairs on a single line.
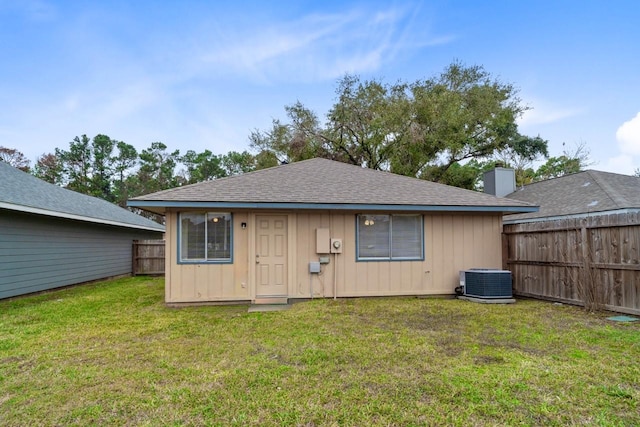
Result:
{"points": [[326, 184], [20, 191], [582, 193]]}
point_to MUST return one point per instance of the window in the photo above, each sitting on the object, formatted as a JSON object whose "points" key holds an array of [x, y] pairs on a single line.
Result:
{"points": [[389, 237], [205, 237]]}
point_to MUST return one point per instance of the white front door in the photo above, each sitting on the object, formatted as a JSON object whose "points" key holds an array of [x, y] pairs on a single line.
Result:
{"points": [[271, 255]]}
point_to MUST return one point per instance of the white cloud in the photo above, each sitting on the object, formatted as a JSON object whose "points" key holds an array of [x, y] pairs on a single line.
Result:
{"points": [[623, 163], [315, 47], [628, 136], [33, 10], [544, 113]]}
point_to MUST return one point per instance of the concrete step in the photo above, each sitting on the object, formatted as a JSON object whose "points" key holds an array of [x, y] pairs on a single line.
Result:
{"points": [[271, 300]]}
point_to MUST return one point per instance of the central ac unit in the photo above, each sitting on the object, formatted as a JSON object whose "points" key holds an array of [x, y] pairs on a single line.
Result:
{"points": [[485, 283]]}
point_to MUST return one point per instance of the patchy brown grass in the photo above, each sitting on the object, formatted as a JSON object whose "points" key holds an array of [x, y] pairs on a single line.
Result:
{"points": [[112, 354]]}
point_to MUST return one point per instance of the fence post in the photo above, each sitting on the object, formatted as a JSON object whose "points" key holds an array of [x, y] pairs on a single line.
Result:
{"points": [[586, 245], [505, 251], [134, 253]]}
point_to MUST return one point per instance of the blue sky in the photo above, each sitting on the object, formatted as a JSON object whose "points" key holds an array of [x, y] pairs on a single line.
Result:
{"points": [[203, 74]]}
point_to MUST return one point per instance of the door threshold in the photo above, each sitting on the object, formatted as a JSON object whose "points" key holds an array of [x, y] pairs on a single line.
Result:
{"points": [[271, 300]]}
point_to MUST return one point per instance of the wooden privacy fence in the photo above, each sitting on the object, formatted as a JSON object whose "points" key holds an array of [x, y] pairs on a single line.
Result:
{"points": [[553, 259], [148, 257]]}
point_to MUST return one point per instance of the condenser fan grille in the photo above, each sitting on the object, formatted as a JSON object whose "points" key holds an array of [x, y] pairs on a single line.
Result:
{"points": [[486, 283]]}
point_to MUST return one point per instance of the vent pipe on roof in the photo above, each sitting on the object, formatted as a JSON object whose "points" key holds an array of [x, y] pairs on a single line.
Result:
{"points": [[499, 181]]}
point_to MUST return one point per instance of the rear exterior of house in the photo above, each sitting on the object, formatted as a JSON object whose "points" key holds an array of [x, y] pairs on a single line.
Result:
{"points": [[52, 237], [323, 229], [271, 255]]}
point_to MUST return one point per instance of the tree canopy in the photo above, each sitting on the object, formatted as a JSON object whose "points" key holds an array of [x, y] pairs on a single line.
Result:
{"points": [[14, 158], [421, 129]]}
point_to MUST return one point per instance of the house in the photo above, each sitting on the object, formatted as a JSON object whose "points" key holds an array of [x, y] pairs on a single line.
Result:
{"points": [[52, 237], [581, 194], [582, 246], [320, 228]]}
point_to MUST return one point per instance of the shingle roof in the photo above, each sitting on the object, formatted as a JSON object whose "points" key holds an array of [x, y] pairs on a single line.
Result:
{"points": [[321, 183], [20, 191], [584, 192]]}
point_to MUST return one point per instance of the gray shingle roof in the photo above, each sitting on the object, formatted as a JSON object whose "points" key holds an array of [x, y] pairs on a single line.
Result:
{"points": [[23, 192], [321, 182], [584, 192]]}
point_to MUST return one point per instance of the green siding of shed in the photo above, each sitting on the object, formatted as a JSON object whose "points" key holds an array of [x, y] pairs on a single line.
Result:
{"points": [[38, 253]]}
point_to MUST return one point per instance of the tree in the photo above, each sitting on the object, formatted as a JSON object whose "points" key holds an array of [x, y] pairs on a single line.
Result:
{"points": [[14, 158], [556, 167], [362, 127], [458, 175], [571, 161], [461, 114], [369, 122], [102, 167], [286, 143], [76, 164], [520, 154], [88, 166], [98, 167], [235, 163], [421, 129], [157, 170], [266, 159], [636, 172], [203, 166], [49, 168], [123, 162]]}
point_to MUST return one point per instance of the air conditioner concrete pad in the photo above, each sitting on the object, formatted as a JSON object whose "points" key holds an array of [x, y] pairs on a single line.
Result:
{"points": [[488, 300], [623, 319]]}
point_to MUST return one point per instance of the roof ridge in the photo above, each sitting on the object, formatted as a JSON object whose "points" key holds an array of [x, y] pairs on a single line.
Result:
{"points": [[395, 175], [301, 163], [609, 190], [536, 183]]}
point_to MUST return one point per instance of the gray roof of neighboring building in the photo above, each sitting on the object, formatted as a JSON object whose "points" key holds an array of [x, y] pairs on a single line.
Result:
{"points": [[326, 184], [20, 191], [577, 194]]}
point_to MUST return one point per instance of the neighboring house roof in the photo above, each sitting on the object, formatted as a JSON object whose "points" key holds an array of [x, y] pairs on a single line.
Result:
{"points": [[578, 194], [20, 191], [326, 184]]}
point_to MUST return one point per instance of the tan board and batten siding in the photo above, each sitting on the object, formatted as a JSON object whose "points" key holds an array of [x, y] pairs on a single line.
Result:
{"points": [[452, 242]]}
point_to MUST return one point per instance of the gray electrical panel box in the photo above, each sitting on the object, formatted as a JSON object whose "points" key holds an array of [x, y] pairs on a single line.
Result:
{"points": [[314, 267], [322, 241]]}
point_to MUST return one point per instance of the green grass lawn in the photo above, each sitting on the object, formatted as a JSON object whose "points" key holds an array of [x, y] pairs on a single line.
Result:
{"points": [[111, 353]]}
